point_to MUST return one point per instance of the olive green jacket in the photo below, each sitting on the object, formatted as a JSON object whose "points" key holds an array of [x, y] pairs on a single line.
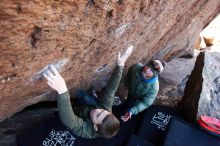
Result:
{"points": [[77, 118], [143, 93]]}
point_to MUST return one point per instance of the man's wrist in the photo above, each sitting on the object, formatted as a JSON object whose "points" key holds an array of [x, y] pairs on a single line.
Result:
{"points": [[130, 112], [64, 96], [121, 64], [62, 90]]}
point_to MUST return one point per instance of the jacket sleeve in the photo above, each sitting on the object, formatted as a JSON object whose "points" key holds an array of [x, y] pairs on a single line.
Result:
{"points": [[143, 104], [112, 86], [70, 120], [127, 77]]}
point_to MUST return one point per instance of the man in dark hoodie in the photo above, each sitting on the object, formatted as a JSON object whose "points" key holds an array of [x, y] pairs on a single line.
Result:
{"points": [[89, 121], [143, 86]]}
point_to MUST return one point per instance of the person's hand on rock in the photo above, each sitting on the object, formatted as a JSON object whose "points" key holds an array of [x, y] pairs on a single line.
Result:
{"points": [[54, 80], [123, 57]]}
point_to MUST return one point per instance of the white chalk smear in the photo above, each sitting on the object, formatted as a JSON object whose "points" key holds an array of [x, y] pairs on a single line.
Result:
{"points": [[101, 68], [119, 31], [58, 65]]}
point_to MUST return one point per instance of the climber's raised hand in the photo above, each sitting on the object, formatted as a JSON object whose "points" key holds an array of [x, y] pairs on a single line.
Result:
{"points": [[124, 56], [54, 80]]}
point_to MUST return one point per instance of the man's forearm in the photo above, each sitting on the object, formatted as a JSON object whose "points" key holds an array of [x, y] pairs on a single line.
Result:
{"points": [[66, 113], [138, 108], [141, 105], [112, 87], [115, 79]]}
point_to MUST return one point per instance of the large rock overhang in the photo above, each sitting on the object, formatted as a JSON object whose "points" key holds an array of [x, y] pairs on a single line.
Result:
{"points": [[82, 39]]}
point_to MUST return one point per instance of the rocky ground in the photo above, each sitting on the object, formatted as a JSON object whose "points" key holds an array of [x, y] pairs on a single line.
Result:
{"points": [[173, 80]]}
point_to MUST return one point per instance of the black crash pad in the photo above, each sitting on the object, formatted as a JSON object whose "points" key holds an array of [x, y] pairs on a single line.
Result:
{"points": [[155, 120], [181, 133], [54, 133], [138, 141]]}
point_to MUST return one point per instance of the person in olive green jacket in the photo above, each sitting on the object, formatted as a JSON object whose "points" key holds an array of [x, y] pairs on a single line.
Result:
{"points": [[89, 121], [143, 86]]}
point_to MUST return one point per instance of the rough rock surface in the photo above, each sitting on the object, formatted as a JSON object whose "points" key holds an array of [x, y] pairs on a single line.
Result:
{"points": [[177, 70], [82, 38], [173, 80], [202, 91]]}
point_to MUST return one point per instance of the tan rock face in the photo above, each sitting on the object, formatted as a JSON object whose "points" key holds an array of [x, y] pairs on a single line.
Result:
{"points": [[82, 39]]}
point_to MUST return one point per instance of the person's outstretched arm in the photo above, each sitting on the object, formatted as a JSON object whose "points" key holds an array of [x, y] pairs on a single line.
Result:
{"points": [[141, 105], [113, 83], [66, 114]]}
